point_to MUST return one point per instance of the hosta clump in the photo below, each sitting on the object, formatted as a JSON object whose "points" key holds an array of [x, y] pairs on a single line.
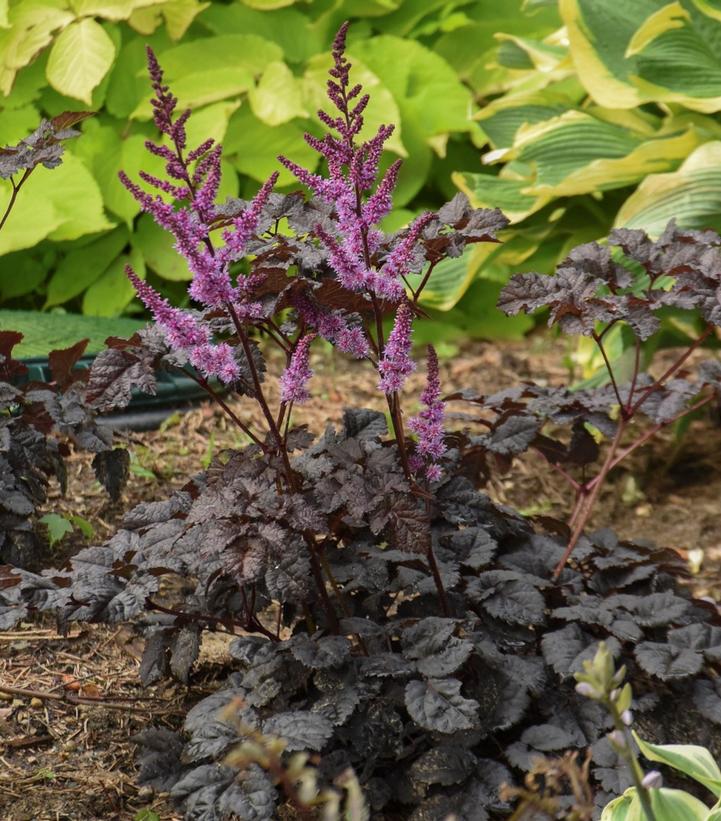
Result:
{"points": [[388, 616], [40, 423]]}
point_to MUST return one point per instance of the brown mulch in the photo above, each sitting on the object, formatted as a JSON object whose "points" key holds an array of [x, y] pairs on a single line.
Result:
{"points": [[65, 757]]}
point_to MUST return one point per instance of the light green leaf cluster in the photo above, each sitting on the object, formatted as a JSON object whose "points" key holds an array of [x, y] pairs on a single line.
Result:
{"points": [[668, 804], [254, 72]]}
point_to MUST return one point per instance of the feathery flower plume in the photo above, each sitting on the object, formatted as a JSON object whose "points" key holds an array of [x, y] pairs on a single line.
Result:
{"points": [[428, 424], [294, 379], [334, 327], [396, 364], [215, 360], [182, 330]]}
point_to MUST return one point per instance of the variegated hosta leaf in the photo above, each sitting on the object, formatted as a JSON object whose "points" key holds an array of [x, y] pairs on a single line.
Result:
{"points": [[691, 195], [627, 54], [578, 153]]}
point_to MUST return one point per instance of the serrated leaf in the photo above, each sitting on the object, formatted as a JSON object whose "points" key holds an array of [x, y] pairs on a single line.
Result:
{"points": [[667, 661], [445, 764], [301, 730], [437, 704], [57, 526], [320, 653], [79, 59]]}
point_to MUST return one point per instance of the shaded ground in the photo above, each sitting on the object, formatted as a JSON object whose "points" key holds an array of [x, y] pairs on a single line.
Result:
{"points": [[70, 761]]}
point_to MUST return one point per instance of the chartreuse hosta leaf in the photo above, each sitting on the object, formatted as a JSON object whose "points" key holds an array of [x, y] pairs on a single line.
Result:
{"points": [[277, 97], [79, 59], [451, 278], [627, 54], [501, 119], [65, 206], [691, 195], [696, 762], [109, 9]]}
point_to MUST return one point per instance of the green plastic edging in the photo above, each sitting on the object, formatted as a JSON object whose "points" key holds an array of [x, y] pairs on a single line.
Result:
{"points": [[43, 333]]}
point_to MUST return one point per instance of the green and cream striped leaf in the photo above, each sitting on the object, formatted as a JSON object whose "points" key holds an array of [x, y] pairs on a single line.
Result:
{"points": [[628, 54], [691, 195], [501, 119], [578, 153], [504, 192]]}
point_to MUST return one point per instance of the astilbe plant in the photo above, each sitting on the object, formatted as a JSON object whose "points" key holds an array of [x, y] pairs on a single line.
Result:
{"points": [[387, 615], [630, 282], [41, 422]]}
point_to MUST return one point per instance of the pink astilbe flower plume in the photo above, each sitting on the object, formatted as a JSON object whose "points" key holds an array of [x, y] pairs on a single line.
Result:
{"points": [[334, 327], [396, 364], [293, 381], [182, 330], [215, 360], [428, 424]]}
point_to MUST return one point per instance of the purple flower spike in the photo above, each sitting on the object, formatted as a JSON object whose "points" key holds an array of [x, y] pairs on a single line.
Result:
{"points": [[294, 379], [181, 329], [215, 360], [428, 425], [396, 364], [400, 259], [245, 226]]}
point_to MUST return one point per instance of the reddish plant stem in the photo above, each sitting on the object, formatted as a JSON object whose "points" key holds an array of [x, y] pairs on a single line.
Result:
{"points": [[671, 370], [588, 492], [259, 395], [16, 188], [221, 402], [597, 339], [566, 475], [433, 564], [320, 584], [651, 432], [634, 377], [419, 290], [590, 498]]}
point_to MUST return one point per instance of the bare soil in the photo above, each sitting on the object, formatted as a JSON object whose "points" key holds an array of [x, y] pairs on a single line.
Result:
{"points": [[70, 761]]}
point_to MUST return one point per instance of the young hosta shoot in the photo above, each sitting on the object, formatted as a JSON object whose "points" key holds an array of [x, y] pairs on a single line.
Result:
{"points": [[648, 800]]}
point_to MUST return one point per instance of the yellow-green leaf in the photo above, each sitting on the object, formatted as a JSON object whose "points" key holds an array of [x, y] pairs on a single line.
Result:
{"points": [[508, 194], [452, 277], [694, 761], [79, 59], [83, 266], [203, 87], [179, 14], [222, 51], [4, 22], [109, 9], [267, 5], [277, 98], [113, 291]]}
